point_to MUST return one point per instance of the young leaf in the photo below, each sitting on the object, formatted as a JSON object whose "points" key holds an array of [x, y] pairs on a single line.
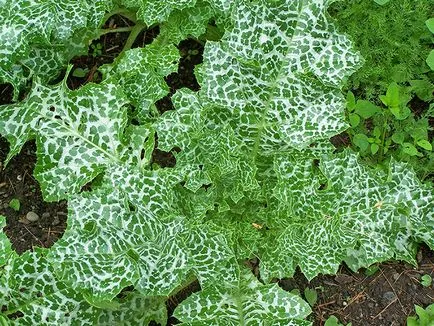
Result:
{"points": [[361, 141], [351, 101], [392, 98], [311, 296], [410, 149], [398, 137], [423, 89], [332, 321], [425, 144], [426, 280], [430, 24], [430, 60], [80, 72], [366, 109], [15, 204], [354, 120], [374, 148]]}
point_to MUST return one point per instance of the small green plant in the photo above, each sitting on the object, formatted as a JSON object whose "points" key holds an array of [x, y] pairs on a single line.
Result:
{"points": [[15, 204], [371, 270], [334, 321], [395, 46], [380, 132], [426, 280], [96, 49], [425, 317], [311, 296], [80, 72]]}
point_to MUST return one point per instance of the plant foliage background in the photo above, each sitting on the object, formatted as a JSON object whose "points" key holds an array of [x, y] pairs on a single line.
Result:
{"points": [[255, 174]]}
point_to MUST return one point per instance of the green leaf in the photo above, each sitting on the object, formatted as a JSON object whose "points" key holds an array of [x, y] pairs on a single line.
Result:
{"points": [[410, 149], [392, 98], [311, 296], [332, 321], [15, 204], [371, 270], [251, 303], [423, 315], [412, 321], [381, 2], [80, 72], [135, 309], [29, 286], [398, 137], [78, 133], [132, 237], [430, 60], [361, 141], [425, 144], [374, 148], [426, 280], [351, 101], [430, 24], [366, 109], [155, 11], [189, 22], [423, 88], [354, 120]]}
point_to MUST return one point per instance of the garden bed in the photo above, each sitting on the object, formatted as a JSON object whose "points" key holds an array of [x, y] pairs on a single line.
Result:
{"points": [[383, 295], [385, 298]]}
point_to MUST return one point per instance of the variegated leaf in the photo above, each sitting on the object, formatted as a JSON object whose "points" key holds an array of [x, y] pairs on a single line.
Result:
{"points": [[277, 72], [363, 216], [251, 303], [140, 72], [78, 133]]}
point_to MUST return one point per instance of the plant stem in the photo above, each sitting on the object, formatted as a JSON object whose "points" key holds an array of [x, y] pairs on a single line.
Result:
{"points": [[383, 138], [115, 30], [135, 31], [123, 12]]}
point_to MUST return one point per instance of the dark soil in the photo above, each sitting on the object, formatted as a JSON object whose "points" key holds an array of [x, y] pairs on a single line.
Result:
{"points": [[385, 298], [17, 182]]}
